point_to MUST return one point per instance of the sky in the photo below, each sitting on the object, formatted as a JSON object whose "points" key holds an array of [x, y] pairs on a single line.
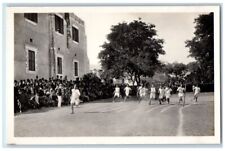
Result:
{"points": [[175, 28]]}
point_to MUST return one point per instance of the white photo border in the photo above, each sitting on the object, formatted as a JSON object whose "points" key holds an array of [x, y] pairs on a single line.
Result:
{"points": [[111, 140]]}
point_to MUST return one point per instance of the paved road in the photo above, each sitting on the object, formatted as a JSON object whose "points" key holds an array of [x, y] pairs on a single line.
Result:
{"points": [[122, 119]]}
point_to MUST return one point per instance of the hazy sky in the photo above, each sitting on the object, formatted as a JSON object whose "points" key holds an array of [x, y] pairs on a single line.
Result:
{"points": [[174, 28]]}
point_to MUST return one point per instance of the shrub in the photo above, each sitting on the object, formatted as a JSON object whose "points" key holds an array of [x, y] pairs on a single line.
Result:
{"points": [[92, 88]]}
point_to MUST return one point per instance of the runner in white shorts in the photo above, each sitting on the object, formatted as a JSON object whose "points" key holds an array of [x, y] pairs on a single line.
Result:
{"points": [[75, 98], [168, 91], [127, 92], [196, 93], [180, 90], [138, 91], [161, 94], [142, 93], [116, 92], [152, 94]]}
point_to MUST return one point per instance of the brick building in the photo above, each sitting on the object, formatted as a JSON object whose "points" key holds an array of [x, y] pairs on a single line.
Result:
{"points": [[49, 45]]}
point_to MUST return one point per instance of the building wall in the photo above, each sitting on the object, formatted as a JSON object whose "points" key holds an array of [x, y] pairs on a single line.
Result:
{"points": [[40, 35], [75, 51], [25, 31]]}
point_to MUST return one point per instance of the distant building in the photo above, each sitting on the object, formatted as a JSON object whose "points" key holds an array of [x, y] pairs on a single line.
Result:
{"points": [[49, 45]]}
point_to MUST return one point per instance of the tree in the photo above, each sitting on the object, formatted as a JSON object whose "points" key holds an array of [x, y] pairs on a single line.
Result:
{"points": [[175, 72], [195, 73], [132, 50], [202, 46]]}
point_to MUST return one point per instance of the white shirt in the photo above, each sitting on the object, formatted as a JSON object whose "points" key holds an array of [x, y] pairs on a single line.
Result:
{"points": [[117, 90], [127, 89], [143, 91], [168, 91], [161, 91], [180, 90], [153, 90], [75, 93], [139, 88], [197, 90]]}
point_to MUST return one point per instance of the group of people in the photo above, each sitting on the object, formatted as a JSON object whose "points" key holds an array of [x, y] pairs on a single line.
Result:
{"points": [[41, 92], [35, 93], [164, 92]]}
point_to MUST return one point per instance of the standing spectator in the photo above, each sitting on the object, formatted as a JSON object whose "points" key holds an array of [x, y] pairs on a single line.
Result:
{"points": [[37, 93], [59, 95], [17, 104]]}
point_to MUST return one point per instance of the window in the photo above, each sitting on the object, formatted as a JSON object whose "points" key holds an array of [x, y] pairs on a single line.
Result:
{"points": [[31, 60], [75, 34], [59, 65], [75, 68], [32, 17], [59, 24]]}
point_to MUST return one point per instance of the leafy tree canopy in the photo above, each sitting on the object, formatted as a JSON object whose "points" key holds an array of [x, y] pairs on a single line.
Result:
{"points": [[202, 45], [132, 50]]}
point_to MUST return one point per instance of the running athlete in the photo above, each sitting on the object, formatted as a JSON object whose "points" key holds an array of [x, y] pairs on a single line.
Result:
{"points": [[116, 92], [161, 94], [75, 98], [168, 91], [138, 91], [180, 90], [193, 89], [196, 93], [152, 94], [127, 92], [142, 93]]}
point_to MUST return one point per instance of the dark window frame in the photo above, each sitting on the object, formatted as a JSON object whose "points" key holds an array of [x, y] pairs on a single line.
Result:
{"points": [[59, 65], [59, 24], [32, 17], [76, 68], [75, 34], [31, 60]]}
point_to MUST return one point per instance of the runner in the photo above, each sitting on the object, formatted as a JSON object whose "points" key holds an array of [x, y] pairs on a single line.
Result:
{"points": [[127, 92], [193, 89], [161, 94], [168, 91], [138, 92], [152, 94], [116, 93], [180, 90], [75, 98], [142, 93], [196, 93]]}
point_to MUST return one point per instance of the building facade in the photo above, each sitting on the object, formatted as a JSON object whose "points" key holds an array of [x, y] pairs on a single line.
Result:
{"points": [[49, 45]]}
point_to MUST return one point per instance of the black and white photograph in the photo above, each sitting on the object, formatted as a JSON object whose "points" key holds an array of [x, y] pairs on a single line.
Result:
{"points": [[114, 75]]}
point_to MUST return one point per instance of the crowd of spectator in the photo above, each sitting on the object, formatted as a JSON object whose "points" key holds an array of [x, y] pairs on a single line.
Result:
{"points": [[39, 92]]}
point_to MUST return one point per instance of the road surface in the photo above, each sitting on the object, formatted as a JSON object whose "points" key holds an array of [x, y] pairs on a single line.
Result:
{"points": [[121, 119]]}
